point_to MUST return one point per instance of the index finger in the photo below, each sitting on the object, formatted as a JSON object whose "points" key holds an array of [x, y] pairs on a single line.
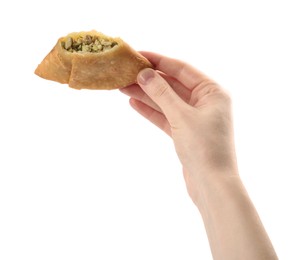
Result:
{"points": [[189, 76]]}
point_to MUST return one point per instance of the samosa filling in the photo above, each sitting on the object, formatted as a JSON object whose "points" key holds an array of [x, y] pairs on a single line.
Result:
{"points": [[88, 43]]}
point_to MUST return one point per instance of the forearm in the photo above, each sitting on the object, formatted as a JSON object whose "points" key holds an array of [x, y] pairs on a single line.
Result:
{"points": [[233, 226]]}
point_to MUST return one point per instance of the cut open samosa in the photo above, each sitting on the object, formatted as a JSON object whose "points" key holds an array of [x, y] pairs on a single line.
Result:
{"points": [[92, 60]]}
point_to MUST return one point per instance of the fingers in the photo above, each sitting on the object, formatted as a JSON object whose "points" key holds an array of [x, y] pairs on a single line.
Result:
{"points": [[157, 88], [135, 92], [183, 92], [152, 115], [183, 72]]}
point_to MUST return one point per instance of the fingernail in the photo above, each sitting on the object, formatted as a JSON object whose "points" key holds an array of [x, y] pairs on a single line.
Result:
{"points": [[145, 76]]}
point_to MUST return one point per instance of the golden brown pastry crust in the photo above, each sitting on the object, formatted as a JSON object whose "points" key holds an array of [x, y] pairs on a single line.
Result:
{"points": [[114, 68]]}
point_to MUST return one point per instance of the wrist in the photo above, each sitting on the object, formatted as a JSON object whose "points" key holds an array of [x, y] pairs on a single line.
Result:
{"points": [[215, 183], [231, 221]]}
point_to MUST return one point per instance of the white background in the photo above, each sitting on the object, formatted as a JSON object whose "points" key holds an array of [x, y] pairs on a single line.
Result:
{"points": [[83, 176]]}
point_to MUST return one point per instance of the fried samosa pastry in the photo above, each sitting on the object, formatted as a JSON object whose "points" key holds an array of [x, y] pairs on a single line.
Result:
{"points": [[92, 60]]}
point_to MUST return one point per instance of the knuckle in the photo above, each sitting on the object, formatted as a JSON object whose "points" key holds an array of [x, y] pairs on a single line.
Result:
{"points": [[161, 90], [226, 97]]}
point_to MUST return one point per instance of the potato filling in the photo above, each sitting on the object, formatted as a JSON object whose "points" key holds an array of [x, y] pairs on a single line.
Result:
{"points": [[88, 44]]}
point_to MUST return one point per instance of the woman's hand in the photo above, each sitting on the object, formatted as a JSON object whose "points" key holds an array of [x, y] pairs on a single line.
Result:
{"points": [[196, 113], [193, 110]]}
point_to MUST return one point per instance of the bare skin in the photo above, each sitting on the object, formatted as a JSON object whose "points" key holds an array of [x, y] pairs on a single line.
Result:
{"points": [[196, 113]]}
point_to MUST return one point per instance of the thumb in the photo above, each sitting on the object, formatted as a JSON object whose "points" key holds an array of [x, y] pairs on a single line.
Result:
{"points": [[158, 89]]}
